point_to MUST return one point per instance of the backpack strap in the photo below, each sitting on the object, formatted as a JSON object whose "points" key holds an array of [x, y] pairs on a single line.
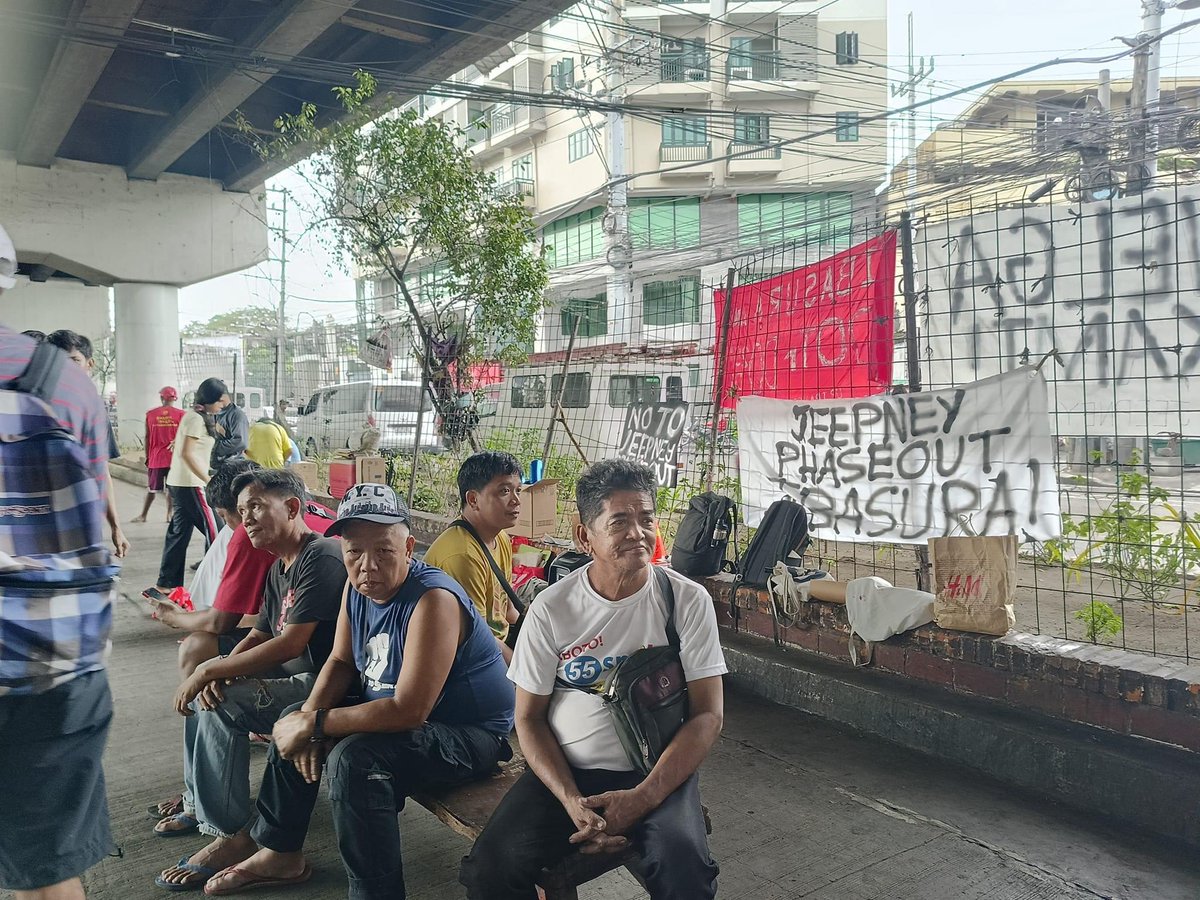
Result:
{"points": [[487, 554], [40, 377]]}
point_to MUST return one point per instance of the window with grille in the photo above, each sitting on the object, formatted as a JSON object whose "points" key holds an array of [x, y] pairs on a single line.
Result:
{"points": [[628, 390], [664, 223], [684, 131], [751, 129], [671, 302], [592, 313], [577, 394], [528, 391], [579, 145], [847, 48], [846, 124]]}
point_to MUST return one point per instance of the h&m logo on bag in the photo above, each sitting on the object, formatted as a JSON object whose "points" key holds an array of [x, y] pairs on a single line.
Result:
{"points": [[964, 587]]}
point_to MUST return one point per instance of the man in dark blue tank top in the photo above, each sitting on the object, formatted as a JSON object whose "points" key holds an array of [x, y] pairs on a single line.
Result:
{"points": [[437, 709]]}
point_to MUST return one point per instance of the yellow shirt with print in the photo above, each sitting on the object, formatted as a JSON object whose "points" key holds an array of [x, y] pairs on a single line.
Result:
{"points": [[457, 554], [268, 445]]}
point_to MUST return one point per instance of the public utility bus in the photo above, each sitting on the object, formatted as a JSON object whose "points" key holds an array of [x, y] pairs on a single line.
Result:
{"points": [[595, 401]]}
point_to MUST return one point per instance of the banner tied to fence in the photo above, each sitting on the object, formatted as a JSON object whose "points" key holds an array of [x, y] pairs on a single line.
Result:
{"points": [[820, 331], [976, 459], [651, 436]]}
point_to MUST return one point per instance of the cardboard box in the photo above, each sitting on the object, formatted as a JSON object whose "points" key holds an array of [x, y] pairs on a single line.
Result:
{"points": [[370, 470], [310, 474], [539, 509]]}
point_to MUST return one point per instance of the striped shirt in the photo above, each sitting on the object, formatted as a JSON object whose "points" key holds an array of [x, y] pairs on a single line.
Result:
{"points": [[76, 400], [56, 596]]}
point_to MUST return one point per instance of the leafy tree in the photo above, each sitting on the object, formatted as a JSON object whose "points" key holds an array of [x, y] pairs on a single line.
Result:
{"points": [[404, 194], [250, 322]]}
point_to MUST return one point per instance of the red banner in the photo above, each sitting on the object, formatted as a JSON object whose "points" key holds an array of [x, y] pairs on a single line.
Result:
{"points": [[817, 333]]}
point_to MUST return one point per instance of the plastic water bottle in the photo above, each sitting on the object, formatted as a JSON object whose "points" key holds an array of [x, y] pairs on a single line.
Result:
{"points": [[536, 468]]}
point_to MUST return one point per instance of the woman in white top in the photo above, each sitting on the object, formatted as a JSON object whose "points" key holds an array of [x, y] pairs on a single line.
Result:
{"points": [[185, 481]]}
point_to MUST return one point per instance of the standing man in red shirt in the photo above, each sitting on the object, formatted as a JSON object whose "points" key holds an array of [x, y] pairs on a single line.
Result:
{"points": [[161, 424]]}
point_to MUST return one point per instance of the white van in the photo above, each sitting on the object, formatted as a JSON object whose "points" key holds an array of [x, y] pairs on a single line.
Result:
{"points": [[337, 416], [595, 400]]}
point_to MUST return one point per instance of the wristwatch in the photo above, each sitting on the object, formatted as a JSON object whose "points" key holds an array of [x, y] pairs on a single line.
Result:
{"points": [[318, 732]]}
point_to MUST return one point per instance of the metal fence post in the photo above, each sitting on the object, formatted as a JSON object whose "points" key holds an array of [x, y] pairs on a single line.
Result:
{"points": [[719, 378], [912, 354]]}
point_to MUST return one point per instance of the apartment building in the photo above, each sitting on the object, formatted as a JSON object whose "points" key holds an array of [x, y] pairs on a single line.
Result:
{"points": [[712, 91], [1018, 135]]}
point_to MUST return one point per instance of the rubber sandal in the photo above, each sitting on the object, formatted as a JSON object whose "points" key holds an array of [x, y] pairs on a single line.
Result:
{"points": [[157, 813], [179, 887], [255, 882], [193, 825]]}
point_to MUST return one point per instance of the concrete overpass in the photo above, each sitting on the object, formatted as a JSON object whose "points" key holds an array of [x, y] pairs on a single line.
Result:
{"points": [[121, 165]]}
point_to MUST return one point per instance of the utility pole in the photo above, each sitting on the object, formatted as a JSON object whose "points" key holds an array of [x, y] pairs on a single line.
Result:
{"points": [[617, 250], [909, 87], [281, 310]]}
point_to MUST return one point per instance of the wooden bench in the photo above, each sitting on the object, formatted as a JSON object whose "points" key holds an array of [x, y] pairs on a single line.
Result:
{"points": [[467, 808]]}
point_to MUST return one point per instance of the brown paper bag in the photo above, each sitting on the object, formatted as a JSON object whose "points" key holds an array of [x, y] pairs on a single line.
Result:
{"points": [[974, 582]]}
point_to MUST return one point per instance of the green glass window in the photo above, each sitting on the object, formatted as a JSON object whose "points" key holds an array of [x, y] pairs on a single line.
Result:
{"points": [[528, 391], [664, 223], [579, 145], [627, 390], [766, 219], [592, 313], [749, 129], [671, 302], [574, 239], [847, 126], [684, 131]]}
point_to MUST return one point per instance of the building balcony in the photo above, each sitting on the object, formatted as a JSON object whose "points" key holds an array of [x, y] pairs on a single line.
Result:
{"points": [[768, 75], [754, 158], [683, 77], [522, 188], [686, 153], [503, 124]]}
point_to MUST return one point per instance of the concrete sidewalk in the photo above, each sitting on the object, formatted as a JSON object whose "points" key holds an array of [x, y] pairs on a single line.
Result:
{"points": [[799, 808]]}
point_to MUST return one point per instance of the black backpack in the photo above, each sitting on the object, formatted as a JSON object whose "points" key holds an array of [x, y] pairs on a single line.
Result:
{"points": [[564, 564], [783, 529], [703, 535]]}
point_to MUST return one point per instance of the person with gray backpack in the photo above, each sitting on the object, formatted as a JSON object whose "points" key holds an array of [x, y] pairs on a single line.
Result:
{"points": [[56, 590]]}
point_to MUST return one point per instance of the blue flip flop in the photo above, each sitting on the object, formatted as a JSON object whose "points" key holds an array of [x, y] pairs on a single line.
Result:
{"points": [[193, 825], [196, 885]]}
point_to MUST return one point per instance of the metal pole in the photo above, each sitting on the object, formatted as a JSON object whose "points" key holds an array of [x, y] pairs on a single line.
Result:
{"points": [[556, 410], [912, 354], [719, 378], [618, 253], [280, 320]]}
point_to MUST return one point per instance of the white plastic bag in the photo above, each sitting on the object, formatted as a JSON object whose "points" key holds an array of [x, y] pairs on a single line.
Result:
{"points": [[877, 611]]}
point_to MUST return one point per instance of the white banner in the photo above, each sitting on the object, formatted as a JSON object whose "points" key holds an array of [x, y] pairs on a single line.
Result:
{"points": [[1112, 287], [903, 468]]}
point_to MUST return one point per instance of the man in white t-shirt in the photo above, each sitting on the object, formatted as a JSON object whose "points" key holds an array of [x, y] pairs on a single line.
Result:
{"points": [[580, 790]]}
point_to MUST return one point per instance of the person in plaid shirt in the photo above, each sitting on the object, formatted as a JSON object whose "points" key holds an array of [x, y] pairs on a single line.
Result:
{"points": [[55, 706]]}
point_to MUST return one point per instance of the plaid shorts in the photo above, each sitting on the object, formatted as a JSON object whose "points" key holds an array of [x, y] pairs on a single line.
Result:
{"points": [[54, 817]]}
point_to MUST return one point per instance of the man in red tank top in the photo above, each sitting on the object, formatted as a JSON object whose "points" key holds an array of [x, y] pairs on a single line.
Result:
{"points": [[161, 424]]}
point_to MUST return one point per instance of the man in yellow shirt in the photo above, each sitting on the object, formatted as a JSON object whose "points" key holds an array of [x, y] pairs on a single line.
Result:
{"points": [[489, 489], [268, 444]]}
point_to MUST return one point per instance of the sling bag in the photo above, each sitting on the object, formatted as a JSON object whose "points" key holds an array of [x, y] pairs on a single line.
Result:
{"points": [[646, 693]]}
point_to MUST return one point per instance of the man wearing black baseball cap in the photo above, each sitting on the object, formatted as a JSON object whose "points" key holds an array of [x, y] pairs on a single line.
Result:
{"points": [[437, 708]]}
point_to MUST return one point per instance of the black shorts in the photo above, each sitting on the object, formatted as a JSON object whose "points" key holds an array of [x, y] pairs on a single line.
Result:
{"points": [[54, 815]]}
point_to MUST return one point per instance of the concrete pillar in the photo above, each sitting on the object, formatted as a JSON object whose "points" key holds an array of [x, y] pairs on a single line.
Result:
{"points": [[147, 331]]}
